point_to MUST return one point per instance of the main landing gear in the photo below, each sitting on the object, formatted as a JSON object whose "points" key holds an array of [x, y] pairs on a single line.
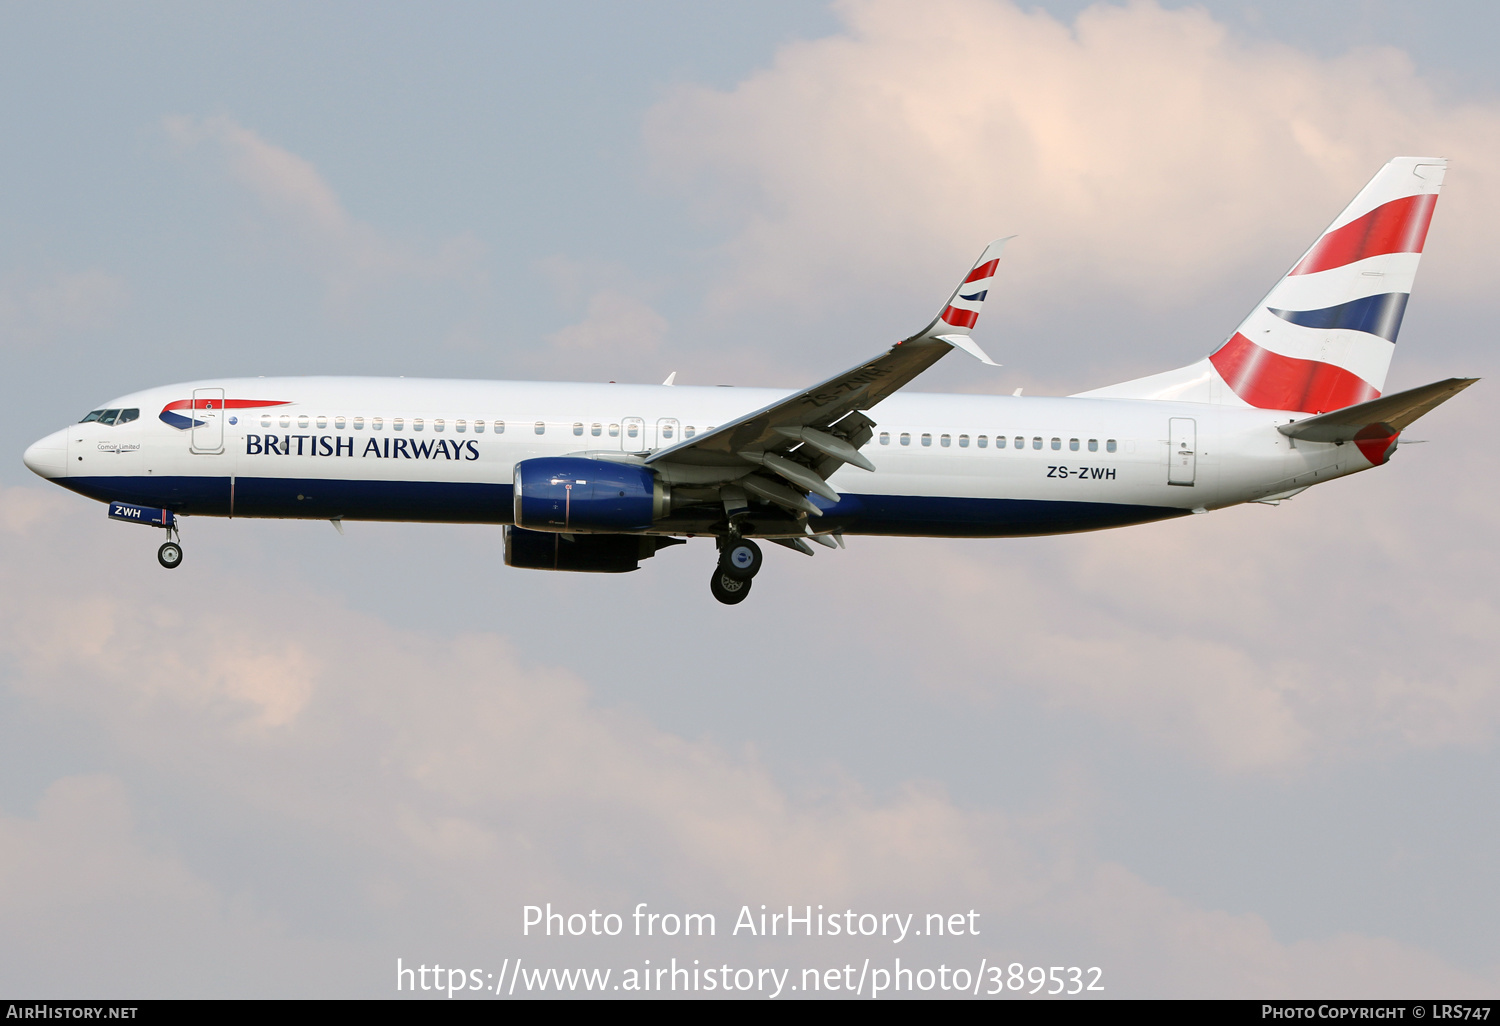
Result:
{"points": [[739, 561]]}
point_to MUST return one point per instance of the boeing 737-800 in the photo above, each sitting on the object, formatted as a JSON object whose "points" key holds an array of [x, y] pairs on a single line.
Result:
{"points": [[597, 477]]}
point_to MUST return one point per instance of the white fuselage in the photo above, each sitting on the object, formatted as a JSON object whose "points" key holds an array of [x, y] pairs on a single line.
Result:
{"points": [[438, 450]]}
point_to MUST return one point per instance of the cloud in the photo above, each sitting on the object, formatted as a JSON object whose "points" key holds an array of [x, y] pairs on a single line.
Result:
{"points": [[1139, 152], [94, 906], [615, 323], [298, 204], [428, 784], [34, 314]]}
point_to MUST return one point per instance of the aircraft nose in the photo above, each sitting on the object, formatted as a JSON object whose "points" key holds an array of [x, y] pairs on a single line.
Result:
{"points": [[48, 457]]}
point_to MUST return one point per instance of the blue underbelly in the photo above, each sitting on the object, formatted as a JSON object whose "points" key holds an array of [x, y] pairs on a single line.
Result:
{"points": [[479, 503]]}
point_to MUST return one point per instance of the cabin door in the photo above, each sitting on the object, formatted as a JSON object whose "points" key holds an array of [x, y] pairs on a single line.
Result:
{"points": [[1182, 456], [207, 414]]}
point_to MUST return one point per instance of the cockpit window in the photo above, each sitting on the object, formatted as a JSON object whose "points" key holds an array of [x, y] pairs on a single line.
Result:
{"points": [[112, 417]]}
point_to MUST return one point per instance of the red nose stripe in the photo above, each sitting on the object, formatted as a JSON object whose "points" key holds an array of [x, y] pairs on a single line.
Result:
{"points": [[228, 404]]}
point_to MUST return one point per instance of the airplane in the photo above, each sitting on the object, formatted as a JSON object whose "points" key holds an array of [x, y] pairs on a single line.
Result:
{"points": [[598, 477]]}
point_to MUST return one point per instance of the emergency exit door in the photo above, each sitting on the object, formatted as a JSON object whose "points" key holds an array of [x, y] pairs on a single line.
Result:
{"points": [[1182, 456]]}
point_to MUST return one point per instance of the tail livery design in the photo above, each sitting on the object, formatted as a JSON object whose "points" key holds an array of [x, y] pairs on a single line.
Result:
{"points": [[1323, 338]]}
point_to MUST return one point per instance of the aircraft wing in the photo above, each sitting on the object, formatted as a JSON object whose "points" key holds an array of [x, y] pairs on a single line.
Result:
{"points": [[1387, 415], [793, 446]]}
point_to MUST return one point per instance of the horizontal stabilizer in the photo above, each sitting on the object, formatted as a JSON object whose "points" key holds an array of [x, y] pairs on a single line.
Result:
{"points": [[1392, 412]]}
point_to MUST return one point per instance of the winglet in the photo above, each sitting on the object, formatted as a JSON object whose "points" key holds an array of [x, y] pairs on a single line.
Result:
{"points": [[961, 312]]}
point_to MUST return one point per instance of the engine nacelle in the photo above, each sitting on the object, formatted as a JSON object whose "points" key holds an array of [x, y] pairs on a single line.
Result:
{"points": [[584, 553], [570, 494]]}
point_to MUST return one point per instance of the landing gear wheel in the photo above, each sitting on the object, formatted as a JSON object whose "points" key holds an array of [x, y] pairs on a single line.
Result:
{"points": [[740, 559], [169, 555], [728, 590]]}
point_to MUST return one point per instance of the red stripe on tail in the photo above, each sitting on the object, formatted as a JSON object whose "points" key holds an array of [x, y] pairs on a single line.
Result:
{"points": [[1377, 442], [1275, 382], [1399, 226]]}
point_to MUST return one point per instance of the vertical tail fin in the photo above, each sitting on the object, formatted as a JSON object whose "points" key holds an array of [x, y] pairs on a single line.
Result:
{"points": [[1323, 338]]}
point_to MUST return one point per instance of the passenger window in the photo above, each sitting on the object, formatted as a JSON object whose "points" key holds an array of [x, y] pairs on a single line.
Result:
{"points": [[540, 427], [397, 423], [1093, 445], [437, 424], [578, 428], [926, 438], [963, 441], [499, 427], [479, 427], [1057, 443], [416, 423], [596, 430], [376, 423], [984, 441], [633, 430], [92, 416], [666, 430], [946, 441], [322, 421], [999, 441], [689, 431], [885, 438], [359, 423], [905, 438], [126, 416], [614, 431], [286, 420], [1036, 443], [1021, 442], [1110, 445], [302, 420], [339, 422], [1072, 445]]}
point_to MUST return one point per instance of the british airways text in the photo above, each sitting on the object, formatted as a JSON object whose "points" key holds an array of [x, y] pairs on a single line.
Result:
{"points": [[384, 448]]}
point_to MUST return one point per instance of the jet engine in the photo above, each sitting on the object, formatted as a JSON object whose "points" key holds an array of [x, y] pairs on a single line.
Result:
{"points": [[570, 494]]}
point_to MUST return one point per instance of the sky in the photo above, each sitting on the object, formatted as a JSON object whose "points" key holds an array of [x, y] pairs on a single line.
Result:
{"points": [[1252, 754]]}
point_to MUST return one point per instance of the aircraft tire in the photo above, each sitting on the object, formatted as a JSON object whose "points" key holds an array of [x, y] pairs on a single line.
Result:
{"points": [[169, 555], [741, 559], [728, 590]]}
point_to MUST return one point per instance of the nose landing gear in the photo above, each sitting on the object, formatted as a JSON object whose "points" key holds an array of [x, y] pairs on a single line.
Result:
{"points": [[739, 561], [169, 555]]}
